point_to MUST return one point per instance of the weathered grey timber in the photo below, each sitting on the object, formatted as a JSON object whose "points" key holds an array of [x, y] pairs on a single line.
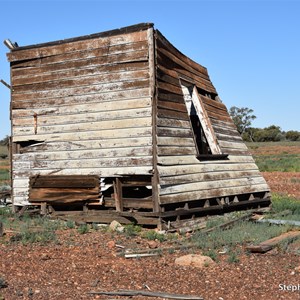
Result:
{"points": [[125, 125]]}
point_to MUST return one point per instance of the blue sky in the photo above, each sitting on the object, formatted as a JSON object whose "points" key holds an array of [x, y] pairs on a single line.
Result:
{"points": [[251, 48]]}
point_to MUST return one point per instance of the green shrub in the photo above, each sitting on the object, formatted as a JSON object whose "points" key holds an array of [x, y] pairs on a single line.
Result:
{"points": [[233, 257], [153, 235], [132, 230], [70, 224], [282, 203], [82, 229]]}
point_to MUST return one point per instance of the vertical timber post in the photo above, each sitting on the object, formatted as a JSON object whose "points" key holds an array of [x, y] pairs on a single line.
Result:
{"points": [[118, 194], [153, 94]]}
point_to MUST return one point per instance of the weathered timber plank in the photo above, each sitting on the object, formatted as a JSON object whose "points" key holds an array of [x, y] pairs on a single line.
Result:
{"points": [[89, 163], [174, 132], [226, 131], [175, 150], [81, 126], [172, 105], [231, 151], [210, 104], [81, 90], [94, 170], [174, 123], [168, 113], [81, 136], [224, 124], [137, 56], [75, 109], [213, 184], [229, 138], [81, 81], [204, 194], [169, 96], [106, 145], [178, 160], [203, 167], [173, 141], [54, 103], [218, 116], [170, 88], [78, 72], [176, 73], [271, 243], [204, 177], [77, 46], [62, 195], [77, 181], [212, 110], [186, 63], [85, 54], [21, 183], [192, 159], [233, 144], [131, 203], [107, 217], [87, 154]]}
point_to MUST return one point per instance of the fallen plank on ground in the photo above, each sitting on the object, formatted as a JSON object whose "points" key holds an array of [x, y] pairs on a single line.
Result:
{"points": [[271, 243], [279, 222], [147, 294]]}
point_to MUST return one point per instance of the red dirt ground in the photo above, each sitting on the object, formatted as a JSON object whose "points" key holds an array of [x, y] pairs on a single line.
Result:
{"points": [[286, 183], [79, 264]]}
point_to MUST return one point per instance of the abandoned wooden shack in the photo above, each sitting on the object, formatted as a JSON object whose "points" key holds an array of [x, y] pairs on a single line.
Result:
{"points": [[121, 125]]}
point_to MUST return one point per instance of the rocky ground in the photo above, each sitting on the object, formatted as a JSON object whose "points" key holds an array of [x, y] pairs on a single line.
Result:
{"points": [[81, 263]]}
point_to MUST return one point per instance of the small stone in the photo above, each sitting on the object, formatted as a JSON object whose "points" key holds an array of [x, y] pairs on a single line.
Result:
{"points": [[297, 269], [152, 244], [45, 256], [116, 226], [194, 260], [111, 244]]}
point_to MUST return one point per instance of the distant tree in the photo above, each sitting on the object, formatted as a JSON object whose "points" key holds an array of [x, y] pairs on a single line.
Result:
{"points": [[292, 135], [242, 117], [268, 134], [5, 141]]}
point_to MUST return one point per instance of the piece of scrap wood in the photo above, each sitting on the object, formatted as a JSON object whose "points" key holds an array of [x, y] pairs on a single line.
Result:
{"points": [[279, 222], [229, 223], [147, 294], [271, 243], [138, 255]]}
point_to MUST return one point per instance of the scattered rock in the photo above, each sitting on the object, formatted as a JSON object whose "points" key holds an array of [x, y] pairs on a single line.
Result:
{"points": [[194, 260], [297, 269], [116, 226], [45, 256], [111, 244], [152, 244]]}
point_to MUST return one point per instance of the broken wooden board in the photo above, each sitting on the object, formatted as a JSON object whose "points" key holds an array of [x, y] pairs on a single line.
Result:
{"points": [[271, 243], [132, 293]]}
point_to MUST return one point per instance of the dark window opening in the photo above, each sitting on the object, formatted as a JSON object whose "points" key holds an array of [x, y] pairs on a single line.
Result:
{"points": [[200, 139]]}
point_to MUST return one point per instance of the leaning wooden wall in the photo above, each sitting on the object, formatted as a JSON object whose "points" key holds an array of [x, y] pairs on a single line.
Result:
{"points": [[182, 176], [81, 107]]}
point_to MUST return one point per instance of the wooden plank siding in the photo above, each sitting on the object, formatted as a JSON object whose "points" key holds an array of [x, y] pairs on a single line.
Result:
{"points": [[110, 107], [183, 177], [82, 107]]}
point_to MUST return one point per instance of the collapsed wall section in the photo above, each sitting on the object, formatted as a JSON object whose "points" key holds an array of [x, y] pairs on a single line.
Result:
{"points": [[202, 160]]}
